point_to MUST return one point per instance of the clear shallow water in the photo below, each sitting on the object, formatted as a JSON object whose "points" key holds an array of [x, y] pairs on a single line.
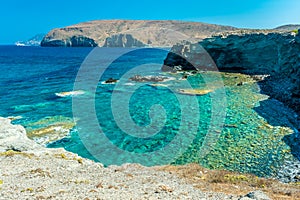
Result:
{"points": [[31, 76]]}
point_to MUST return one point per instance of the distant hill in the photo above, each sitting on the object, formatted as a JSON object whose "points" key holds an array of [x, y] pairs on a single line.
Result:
{"points": [[34, 41], [131, 33], [289, 27]]}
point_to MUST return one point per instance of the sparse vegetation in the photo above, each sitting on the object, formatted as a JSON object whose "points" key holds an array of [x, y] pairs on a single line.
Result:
{"points": [[40, 172], [112, 187], [165, 188], [11, 153], [296, 31], [65, 157], [236, 178], [99, 185], [27, 190], [79, 160], [81, 181], [233, 183]]}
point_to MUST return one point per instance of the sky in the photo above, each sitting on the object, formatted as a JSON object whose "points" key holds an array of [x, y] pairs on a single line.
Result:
{"points": [[22, 19]]}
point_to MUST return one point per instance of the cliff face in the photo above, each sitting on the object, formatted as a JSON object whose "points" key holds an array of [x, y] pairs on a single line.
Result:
{"points": [[74, 41], [275, 54], [123, 40], [152, 33]]}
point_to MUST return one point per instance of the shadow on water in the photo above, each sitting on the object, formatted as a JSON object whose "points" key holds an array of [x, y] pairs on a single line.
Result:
{"points": [[277, 114]]}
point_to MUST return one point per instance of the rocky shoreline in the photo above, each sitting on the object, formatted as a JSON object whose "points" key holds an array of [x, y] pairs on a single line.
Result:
{"points": [[273, 55], [271, 58], [34, 172]]}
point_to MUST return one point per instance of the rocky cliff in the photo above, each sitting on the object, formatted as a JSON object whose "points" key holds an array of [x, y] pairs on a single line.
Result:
{"points": [[151, 33], [264, 53], [74, 41], [123, 40]]}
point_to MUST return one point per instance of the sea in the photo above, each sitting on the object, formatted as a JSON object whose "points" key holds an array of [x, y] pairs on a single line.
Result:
{"points": [[105, 104]]}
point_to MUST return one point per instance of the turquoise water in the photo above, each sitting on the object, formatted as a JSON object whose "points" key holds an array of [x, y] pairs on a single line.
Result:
{"points": [[227, 123]]}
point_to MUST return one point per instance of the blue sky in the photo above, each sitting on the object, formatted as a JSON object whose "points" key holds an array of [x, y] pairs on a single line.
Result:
{"points": [[22, 19]]}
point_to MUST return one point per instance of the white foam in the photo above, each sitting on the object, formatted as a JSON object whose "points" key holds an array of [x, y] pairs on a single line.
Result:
{"points": [[70, 93], [129, 84]]}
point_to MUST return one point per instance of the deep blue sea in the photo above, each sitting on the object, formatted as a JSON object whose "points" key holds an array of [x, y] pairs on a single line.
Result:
{"points": [[59, 96]]}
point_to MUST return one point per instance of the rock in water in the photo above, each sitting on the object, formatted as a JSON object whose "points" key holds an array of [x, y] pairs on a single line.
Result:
{"points": [[111, 80], [13, 137]]}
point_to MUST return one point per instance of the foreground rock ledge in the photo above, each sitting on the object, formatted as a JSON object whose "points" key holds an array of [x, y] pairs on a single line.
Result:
{"points": [[29, 171]]}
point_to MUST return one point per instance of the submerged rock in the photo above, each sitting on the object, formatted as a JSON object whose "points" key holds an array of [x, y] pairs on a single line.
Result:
{"points": [[50, 129], [139, 78], [194, 91], [50, 133]]}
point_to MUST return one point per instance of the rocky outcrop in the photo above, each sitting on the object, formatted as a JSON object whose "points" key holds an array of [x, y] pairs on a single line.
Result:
{"points": [[13, 137], [253, 52], [275, 54], [74, 41], [122, 40], [149, 32]]}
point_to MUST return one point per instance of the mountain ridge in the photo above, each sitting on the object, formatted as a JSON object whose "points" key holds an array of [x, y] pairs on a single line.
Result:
{"points": [[288, 27], [156, 33]]}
